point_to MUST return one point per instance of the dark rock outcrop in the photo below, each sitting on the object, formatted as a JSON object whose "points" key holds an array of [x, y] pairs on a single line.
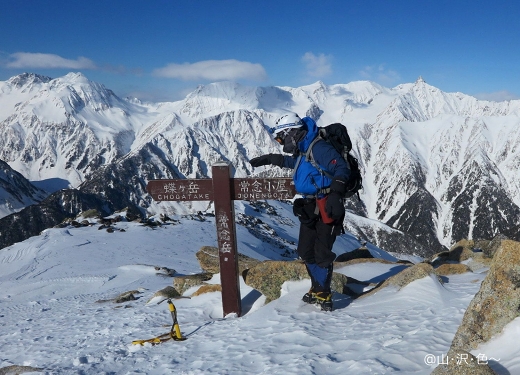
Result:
{"points": [[51, 211]]}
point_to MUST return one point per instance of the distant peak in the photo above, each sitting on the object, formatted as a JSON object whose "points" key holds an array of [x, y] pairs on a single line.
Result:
{"points": [[133, 99], [28, 78], [319, 84], [76, 76], [420, 80]]}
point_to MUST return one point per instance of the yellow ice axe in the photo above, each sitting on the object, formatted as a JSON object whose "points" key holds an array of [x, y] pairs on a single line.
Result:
{"points": [[174, 334]]}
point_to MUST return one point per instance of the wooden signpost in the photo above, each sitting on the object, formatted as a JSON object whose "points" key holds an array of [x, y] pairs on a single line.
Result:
{"points": [[222, 189]]}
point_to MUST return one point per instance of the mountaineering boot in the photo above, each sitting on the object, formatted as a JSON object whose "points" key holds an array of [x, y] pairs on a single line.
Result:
{"points": [[309, 297], [325, 300], [320, 292], [327, 306]]}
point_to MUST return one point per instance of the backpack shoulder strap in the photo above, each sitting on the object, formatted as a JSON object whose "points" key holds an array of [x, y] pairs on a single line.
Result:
{"points": [[308, 154], [296, 165], [310, 157]]}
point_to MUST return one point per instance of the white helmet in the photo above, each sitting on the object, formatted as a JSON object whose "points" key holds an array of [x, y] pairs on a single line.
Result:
{"points": [[286, 122]]}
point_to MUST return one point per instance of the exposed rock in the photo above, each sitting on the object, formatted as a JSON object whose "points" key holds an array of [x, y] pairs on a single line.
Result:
{"points": [[460, 362], [207, 288], [415, 217], [53, 210], [468, 251], [104, 221], [267, 277], [183, 283], [150, 222], [167, 292], [123, 297], [410, 274], [437, 259], [365, 260], [362, 252], [91, 214], [492, 246], [496, 303], [132, 213], [16, 370], [17, 191], [166, 219], [478, 262], [391, 239], [462, 250], [165, 271], [209, 261], [405, 277], [451, 269]]}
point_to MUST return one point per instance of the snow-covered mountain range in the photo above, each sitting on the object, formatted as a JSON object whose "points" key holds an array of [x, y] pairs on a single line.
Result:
{"points": [[437, 166]]}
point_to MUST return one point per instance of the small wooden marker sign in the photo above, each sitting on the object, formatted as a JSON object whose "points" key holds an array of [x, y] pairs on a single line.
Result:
{"points": [[222, 189]]}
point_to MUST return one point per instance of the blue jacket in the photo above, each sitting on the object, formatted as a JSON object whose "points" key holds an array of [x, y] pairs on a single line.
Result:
{"points": [[307, 179]]}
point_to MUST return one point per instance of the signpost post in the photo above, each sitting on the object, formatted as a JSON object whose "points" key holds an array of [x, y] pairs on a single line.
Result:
{"points": [[223, 189]]}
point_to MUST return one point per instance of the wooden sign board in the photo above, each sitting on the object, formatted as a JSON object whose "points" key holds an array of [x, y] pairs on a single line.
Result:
{"points": [[222, 190], [250, 189]]}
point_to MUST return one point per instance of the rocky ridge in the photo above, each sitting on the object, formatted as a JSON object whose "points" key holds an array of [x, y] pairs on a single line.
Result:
{"points": [[437, 166]]}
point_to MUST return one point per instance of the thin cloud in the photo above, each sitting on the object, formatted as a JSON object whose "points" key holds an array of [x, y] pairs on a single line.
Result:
{"points": [[213, 70], [381, 74], [317, 66], [21, 60], [498, 96]]}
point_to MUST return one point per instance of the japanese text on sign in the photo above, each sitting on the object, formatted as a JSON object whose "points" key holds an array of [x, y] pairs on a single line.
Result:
{"points": [[253, 189], [223, 232], [182, 190]]}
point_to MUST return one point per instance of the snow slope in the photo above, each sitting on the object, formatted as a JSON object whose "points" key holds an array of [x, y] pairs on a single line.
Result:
{"points": [[49, 317]]}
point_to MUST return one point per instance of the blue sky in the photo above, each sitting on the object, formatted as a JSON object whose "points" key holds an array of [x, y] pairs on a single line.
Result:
{"points": [[161, 50]]}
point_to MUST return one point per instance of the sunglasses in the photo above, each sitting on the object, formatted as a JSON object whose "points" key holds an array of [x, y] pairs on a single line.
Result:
{"points": [[280, 137]]}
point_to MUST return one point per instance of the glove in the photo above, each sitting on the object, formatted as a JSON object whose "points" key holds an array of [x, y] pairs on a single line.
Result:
{"points": [[339, 185], [274, 159], [334, 206]]}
